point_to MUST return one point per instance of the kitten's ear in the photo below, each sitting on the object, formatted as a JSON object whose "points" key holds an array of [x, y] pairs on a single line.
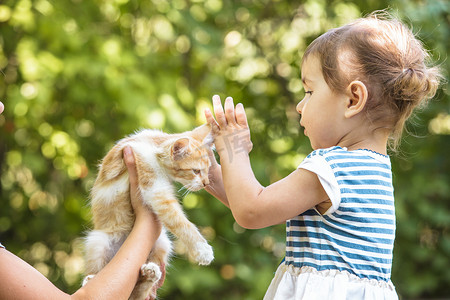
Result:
{"points": [[203, 134], [180, 148]]}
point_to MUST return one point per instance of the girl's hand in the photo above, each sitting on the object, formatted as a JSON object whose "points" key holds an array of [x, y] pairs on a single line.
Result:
{"points": [[230, 128]]}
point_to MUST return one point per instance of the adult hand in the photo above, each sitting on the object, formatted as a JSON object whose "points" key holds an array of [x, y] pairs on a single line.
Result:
{"points": [[159, 284], [140, 209]]}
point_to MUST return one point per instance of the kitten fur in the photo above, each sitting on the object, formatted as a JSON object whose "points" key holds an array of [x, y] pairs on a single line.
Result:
{"points": [[161, 158]]}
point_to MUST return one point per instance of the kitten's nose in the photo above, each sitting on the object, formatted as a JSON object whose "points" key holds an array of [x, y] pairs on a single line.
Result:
{"points": [[205, 181]]}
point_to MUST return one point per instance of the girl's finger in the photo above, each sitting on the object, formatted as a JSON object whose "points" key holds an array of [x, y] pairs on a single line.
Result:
{"points": [[211, 121], [209, 118], [218, 111], [241, 117], [229, 110]]}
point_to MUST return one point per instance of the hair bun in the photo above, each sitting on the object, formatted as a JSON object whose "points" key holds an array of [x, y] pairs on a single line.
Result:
{"points": [[415, 85]]}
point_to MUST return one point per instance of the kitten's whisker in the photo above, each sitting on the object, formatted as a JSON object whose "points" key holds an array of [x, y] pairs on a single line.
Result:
{"points": [[185, 192], [193, 188], [188, 190]]}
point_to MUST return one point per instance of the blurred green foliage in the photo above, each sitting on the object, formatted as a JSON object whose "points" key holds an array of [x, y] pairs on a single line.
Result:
{"points": [[79, 75]]}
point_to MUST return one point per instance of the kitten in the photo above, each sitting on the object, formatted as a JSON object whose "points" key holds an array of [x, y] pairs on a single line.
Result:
{"points": [[160, 159]]}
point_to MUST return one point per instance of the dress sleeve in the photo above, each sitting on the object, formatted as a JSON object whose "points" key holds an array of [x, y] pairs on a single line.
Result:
{"points": [[1, 246], [318, 165]]}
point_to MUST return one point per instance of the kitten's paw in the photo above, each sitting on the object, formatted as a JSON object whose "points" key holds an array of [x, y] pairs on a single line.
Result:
{"points": [[203, 253], [151, 272], [86, 279]]}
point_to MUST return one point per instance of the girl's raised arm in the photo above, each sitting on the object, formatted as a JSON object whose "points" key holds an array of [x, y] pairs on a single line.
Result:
{"points": [[253, 205]]}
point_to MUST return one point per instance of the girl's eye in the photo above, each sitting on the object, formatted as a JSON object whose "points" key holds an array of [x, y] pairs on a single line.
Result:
{"points": [[309, 92], [196, 171]]}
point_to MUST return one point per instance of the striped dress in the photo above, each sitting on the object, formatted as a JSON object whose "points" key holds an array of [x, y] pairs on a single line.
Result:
{"points": [[345, 253]]}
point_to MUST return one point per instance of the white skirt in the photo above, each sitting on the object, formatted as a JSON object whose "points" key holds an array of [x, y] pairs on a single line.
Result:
{"points": [[309, 284]]}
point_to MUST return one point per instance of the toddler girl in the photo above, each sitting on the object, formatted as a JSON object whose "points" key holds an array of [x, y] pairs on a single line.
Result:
{"points": [[361, 81]]}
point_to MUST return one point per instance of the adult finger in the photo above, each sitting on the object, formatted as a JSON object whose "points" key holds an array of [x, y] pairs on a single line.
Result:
{"points": [[154, 291], [162, 267], [229, 110], [218, 111], [130, 162]]}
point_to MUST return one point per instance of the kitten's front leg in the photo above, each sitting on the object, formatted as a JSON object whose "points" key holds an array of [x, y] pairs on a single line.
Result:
{"points": [[171, 214], [203, 253]]}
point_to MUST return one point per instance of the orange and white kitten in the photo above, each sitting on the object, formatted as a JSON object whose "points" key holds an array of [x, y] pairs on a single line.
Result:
{"points": [[161, 158]]}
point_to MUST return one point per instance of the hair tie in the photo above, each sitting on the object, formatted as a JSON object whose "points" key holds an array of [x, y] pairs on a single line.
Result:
{"points": [[406, 70]]}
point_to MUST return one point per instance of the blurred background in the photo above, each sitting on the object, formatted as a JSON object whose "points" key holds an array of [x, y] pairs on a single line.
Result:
{"points": [[78, 75]]}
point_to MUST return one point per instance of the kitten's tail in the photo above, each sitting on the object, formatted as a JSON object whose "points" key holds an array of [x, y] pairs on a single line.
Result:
{"points": [[100, 247]]}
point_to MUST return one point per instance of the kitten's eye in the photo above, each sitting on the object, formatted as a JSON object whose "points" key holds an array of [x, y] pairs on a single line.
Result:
{"points": [[196, 171]]}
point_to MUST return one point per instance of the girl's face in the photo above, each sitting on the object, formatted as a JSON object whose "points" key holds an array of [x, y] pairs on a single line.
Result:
{"points": [[322, 110]]}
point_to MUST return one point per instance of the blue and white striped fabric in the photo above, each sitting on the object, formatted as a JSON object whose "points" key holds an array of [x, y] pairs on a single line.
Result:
{"points": [[357, 233]]}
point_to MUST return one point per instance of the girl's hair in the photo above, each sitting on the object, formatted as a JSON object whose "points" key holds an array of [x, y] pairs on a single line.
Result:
{"points": [[384, 54]]}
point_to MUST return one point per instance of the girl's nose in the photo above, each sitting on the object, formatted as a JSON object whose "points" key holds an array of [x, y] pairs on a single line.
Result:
{"points": [[300, 106]]}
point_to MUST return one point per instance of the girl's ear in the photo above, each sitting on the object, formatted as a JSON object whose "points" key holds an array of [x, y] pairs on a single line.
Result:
{"points": [[357, 98]]}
